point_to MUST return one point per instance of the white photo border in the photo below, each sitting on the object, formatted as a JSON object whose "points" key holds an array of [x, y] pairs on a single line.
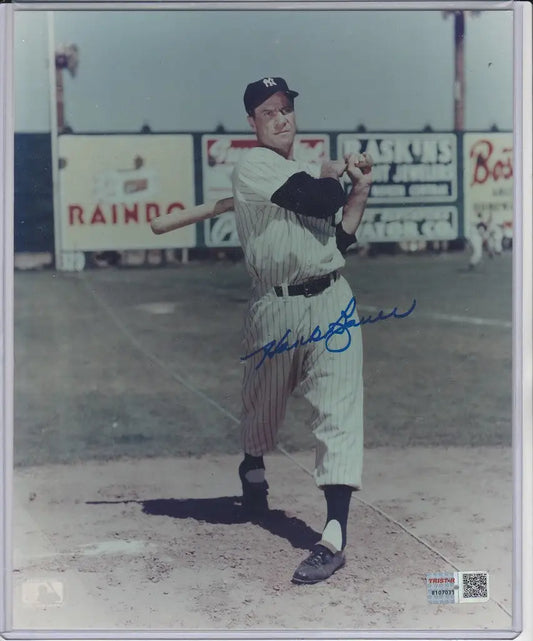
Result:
{"points": [[522, 305]]}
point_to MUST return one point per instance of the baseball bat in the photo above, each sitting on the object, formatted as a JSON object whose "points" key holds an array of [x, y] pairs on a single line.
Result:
{"points": [[178, 219]]}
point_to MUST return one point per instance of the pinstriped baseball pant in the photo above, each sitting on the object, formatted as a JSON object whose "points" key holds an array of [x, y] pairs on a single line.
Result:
{"points": [[332, 382]]}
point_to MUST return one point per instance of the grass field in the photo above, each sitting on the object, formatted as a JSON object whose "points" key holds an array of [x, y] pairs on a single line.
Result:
{"points": [[145, 362]]}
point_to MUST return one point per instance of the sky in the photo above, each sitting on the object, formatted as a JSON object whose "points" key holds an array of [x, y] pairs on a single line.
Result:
{"points": [[187, 70]]}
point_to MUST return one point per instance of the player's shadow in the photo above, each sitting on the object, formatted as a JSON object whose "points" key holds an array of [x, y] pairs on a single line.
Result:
{"points": [[227, 510]]}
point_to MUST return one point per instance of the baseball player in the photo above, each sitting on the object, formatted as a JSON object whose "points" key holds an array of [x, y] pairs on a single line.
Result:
{"points": [[294, 222], [484, 233]]}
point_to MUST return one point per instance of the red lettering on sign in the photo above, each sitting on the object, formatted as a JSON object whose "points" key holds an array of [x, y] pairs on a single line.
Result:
{"points": [[131, 214], [151, 207], [75, 211], [98, 216], [487, 167], [119, 213], [175, 206]]}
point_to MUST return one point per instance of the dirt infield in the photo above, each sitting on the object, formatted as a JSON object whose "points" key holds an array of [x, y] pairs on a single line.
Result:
{"points": [[161, 543], [126, 445]]}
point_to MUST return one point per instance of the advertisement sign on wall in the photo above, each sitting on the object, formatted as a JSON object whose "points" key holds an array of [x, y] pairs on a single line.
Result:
{"points": [[220, 153], [488, 178], [408, 168], [111, 187], [415, 181], [396, 224]]}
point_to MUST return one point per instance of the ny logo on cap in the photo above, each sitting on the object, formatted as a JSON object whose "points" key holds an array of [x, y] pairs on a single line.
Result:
{"points": [[269, 82]]}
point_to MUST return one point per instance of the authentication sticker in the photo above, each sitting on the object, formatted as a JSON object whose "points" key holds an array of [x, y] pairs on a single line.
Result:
{"points": [[458, 587], [442, 587]]}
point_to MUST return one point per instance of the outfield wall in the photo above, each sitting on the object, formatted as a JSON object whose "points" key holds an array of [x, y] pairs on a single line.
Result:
{"points": [[426, 185]]}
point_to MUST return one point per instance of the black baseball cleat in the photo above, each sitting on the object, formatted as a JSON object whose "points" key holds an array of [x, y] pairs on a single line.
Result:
{"points": [[254, 495], [319, 565]]}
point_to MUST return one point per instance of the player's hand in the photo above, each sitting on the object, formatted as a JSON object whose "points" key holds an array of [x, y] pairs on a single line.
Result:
{"points": [[332, 169], [359, 168]]}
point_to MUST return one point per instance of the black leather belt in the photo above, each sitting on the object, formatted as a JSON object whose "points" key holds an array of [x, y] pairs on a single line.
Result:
{"points": [[310, 287]]}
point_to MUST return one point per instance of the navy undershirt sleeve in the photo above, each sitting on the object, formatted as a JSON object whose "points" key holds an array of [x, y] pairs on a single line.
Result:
{"points": [[316, 197], [344, 239]]}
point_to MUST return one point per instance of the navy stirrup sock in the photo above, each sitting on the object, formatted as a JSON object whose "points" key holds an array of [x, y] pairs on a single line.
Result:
{"points": [[338, 505]]}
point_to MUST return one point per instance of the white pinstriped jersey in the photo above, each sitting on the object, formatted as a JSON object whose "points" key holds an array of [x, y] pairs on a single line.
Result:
{"points": [[282, 247], [279, 245]]}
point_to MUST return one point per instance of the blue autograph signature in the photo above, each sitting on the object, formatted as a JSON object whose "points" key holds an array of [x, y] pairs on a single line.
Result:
{"points": [[340, 327]]}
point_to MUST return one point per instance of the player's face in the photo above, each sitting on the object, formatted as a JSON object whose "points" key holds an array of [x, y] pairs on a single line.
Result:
{"points": [[274, 124]]}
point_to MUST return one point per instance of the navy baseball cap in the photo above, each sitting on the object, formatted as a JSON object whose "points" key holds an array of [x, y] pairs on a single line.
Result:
{"points": [[257, 92]]}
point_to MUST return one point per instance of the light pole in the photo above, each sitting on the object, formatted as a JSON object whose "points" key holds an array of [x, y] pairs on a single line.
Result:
{"points": [[59, 58], [66, 57], [459, 88], [459, 76]]}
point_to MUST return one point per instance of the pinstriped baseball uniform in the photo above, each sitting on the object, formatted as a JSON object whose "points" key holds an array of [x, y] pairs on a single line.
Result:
{"points": [[284, 248]]}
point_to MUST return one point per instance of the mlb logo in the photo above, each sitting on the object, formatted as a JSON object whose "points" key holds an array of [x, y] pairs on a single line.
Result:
{"points": [[38, 593]]}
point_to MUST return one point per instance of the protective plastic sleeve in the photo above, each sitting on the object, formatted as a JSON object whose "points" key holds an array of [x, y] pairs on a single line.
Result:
{"points": [[316, 197], [344, 240]]}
